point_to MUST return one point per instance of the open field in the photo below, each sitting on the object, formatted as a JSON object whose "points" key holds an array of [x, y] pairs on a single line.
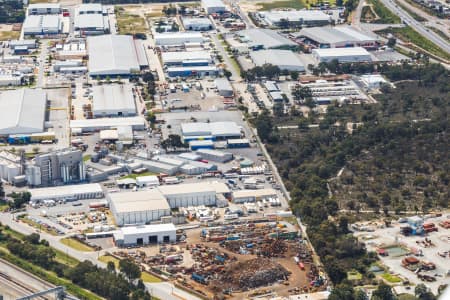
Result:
{"points": [[129, 23], [75, 244], [9, 35], [133, 176]]}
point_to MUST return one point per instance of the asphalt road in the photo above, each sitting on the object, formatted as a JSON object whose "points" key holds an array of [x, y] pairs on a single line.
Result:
{"points": [[419, 27]]}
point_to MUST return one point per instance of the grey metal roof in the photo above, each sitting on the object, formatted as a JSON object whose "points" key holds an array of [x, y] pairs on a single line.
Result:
{"points": [[138, 201], [113, 97], [222, 84], [213, 3], [266, 37], [180, 56], [334, 34], [196, 21], [285, 59], [295, 15], [90, 21], [22, 111], [214, 128], [112, 55]]}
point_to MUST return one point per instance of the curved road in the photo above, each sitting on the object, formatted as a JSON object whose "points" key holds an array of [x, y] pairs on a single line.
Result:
{"points": [[419, 27]]}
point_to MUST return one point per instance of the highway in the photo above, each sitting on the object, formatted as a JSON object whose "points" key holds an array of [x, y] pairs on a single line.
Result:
{"points": [[419, 27]]}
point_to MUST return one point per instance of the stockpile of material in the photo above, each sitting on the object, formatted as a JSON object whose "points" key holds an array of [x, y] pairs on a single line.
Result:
{"points": [[252, 273]]}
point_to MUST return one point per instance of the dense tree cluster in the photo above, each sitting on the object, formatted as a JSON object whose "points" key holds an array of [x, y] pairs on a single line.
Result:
{"points": [[11, 11], [405, 134], [267, 70], [19, 199]]}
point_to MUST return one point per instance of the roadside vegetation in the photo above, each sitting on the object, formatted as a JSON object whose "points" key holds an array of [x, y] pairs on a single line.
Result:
{"points": [[9, 35], [385, 16], [408, 34], [81, 279], [411, 13], [396, 160], [75, 244]]}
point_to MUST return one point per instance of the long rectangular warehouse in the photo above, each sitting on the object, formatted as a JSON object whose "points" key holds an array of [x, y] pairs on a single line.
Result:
{"points": [[178, 38], [68, 192], [113, 55], [113, 100], [138, 207], [296, 17], [284, 59], [22, 111], [146, 234], [343, 55], [137, 123], [183, 57]]}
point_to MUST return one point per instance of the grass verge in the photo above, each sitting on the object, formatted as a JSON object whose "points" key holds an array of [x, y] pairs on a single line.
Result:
{"points": [[87, 157], [385, 16], [440, 33], [147, 277], [408, 34], [49, 276], [391, 278], [295, 4], [75, 244], [107, 258]]}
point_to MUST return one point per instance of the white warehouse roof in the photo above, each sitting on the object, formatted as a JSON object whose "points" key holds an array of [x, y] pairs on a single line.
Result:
{"points": [[354, 54], [284, 59], [199, 187], [108, 122], [295, 15], [112, 55], [22, 111], [333, 35], [147, 229], [65, 191], [146, 200], [214, 129], [178, 38], [266, 37], [113, 98], [180, 56]]}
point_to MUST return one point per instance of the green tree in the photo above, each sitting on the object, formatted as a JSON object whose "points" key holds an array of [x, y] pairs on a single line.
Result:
{"points": [[131, 270], [343, 291], [264, 125], [110, 266], [383, 292], [33, 238], [294, 75]]}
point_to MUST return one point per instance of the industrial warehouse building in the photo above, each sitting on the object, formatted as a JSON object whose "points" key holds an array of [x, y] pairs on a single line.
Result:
{"points": [[178, 38], [215, 155], [284, 59], [197, 24], [150, 205], [145, 234], [113, 100], [210, 131], [88, 125], [243, 196], [213, 6], [113, 55], [257, 38], [192, 194], [44, 8], [42, 25], [138, 207], [68, 192], [186, 58], [22, 111], [296, 18], [343, 55], [90, 19], [224, 87], [197, 71], [336, 37]]}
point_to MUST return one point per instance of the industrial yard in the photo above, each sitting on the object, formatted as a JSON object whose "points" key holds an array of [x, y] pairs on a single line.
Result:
{"points": [[130, 133]]}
